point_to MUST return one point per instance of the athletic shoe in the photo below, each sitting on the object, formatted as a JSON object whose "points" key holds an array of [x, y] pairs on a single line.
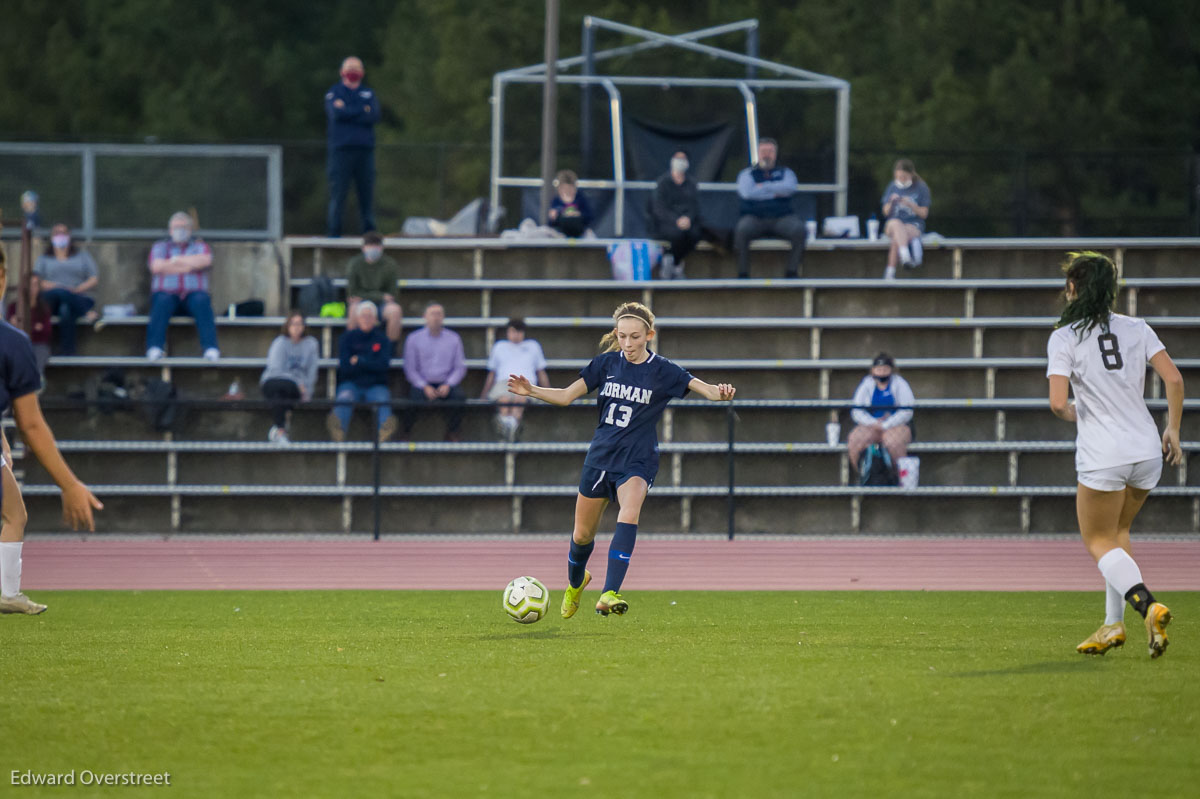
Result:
{"points": [[20, 604], [154, 353], [1157, 619], [889, 273], [611, 602], [388, 429], [571, 596], [336, 433], [906, 258], [1110, 636], [212, 354]]}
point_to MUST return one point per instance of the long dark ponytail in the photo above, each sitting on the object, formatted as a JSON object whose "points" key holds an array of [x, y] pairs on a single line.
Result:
{"points": [[1094, 277]]}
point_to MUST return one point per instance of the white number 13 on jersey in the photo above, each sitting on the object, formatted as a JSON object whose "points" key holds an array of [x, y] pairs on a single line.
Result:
{"points": [[626, 413]]}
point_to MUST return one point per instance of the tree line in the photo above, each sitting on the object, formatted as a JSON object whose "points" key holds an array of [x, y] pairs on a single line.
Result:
{"points": [[970, 87]]}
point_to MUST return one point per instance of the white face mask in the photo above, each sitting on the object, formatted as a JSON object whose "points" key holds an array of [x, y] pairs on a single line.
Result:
{"points": [[372, 254], [904, 184], [60, 242], [679, 165], [180, 234]]}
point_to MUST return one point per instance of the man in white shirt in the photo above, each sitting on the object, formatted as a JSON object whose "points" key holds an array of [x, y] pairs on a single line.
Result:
{"points": [[515, 355]]}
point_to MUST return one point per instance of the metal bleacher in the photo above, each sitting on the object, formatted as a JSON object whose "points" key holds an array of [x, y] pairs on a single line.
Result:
{"points": [[969, 335]]}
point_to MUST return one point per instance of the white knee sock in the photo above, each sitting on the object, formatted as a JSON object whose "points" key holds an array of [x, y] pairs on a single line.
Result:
{"points": [[10, 568], [1120, 570], [1114, 605]]}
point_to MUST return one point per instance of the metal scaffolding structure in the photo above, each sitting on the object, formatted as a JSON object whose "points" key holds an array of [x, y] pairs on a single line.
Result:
{"points": [[791, 78]]}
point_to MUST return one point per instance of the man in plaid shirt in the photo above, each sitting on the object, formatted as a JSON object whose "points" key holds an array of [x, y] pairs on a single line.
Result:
{"points": [[179, 285]]}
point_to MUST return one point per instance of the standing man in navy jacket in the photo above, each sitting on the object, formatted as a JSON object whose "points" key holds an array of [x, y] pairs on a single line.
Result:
{"points": [[766, 190], [353, 110]]}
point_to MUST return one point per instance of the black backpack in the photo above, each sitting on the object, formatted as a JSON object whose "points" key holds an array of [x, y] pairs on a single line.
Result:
{"points": [[312, 297], [875, 467]]}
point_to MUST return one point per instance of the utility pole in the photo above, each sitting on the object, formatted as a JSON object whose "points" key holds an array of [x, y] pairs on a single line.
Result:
{"points": [[549, 108]]}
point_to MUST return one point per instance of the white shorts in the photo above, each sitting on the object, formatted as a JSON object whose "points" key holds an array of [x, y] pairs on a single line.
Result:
{"points": [[1144, 474]]}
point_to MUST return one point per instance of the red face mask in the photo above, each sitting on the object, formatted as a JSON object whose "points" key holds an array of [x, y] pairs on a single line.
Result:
{"points": [[352, 76]]}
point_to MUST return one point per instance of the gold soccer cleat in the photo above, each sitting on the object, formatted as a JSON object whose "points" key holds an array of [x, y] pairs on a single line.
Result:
{"points": [[20, 604], [1157, 619], [571, 596], [611, 602], [1110, 636]]}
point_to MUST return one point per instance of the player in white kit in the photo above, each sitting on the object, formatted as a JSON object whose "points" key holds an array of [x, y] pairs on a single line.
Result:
{"points": [[1102, 356]]}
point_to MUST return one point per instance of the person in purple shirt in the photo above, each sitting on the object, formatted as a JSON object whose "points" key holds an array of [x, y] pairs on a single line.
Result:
{"points": [[435, 365], [179, 269], [364, 355]]}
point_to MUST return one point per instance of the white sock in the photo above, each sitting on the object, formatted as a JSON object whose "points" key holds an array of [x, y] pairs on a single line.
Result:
{"points": [[1120, 570], [1114, 605], [905, 255], [918, 250], [10, 568]]}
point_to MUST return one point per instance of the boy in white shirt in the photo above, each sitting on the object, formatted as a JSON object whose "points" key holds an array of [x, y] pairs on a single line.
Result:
{"points": [[515, 355]]}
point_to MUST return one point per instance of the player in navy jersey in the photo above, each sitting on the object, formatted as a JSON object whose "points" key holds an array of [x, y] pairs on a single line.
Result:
{"points": [[635, 384], [19, 383]]}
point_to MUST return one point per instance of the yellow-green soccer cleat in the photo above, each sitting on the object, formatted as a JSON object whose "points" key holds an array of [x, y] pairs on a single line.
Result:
{"points": [[611, 602], [571, 596], [1110, 636], [1157, 619], [20, 604]]}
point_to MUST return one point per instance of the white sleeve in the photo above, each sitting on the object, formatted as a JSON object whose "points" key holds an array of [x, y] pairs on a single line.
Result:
{"points": [[1060, 353], [862, 398], [1151, 341], [904, 396]]}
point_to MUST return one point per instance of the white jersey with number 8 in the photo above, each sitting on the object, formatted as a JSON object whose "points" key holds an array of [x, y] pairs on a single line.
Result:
{"points": [[1108, 375]]}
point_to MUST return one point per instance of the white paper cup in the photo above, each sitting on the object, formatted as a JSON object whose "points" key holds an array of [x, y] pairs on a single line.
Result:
{"points": [[810, 228], [833, 433]]}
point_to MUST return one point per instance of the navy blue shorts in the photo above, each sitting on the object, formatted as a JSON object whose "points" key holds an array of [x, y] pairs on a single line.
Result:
{"points": [[600, 484]]}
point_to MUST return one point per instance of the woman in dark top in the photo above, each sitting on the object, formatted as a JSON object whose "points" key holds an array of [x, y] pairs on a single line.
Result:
{"points": [[19, 383]]}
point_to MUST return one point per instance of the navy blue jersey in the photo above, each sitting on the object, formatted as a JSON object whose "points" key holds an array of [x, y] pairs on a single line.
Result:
{"points": [[632, 398], [18, 368]]}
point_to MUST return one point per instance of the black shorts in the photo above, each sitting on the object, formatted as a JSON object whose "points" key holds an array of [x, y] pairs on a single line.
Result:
{"points": [[600, 484]]}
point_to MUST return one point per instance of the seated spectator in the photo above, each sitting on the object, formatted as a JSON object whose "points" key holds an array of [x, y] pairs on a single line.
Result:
{"points": [[39, 331], [179, 268], [675, 214], [515, 355], [290, 375], [570, 212], [874, 423], [364, 355], [67, 275], [373, 275], [435, 364], [766, 190], [905, 207]]}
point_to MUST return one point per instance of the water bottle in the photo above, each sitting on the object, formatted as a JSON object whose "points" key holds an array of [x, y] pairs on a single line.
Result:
{"points": [[872, 228]]}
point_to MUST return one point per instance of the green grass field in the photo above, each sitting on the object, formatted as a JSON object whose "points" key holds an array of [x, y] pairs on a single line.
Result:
{"points": [[784, 694]]}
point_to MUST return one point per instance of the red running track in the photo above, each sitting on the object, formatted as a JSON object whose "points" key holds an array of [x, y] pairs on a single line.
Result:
{"points": [[431, 564]]}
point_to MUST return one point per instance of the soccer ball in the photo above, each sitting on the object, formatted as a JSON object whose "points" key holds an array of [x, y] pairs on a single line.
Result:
{"points": [[526, 600]]}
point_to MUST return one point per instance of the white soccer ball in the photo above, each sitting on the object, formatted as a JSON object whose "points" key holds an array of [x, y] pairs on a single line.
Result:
{"points": [[526, 600]]}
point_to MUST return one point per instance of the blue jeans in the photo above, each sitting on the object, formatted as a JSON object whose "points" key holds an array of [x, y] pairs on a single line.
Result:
{"points": [[344, 165], [68, 306], [196, 304], [350, 393]]}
